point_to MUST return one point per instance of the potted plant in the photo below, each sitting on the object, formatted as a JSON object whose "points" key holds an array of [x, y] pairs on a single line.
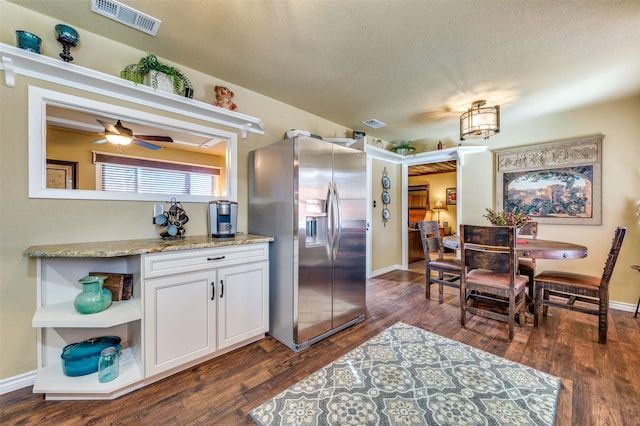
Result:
{"points": [[503, 218], [403, 148], [152, 69]]}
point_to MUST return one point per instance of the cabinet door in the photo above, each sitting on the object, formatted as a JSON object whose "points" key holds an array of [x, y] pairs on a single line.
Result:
{"points": [[179, 319], [243, 302]]}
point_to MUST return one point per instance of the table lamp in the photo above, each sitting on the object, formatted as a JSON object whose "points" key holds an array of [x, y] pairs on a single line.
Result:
{"points": [[438, 206]]}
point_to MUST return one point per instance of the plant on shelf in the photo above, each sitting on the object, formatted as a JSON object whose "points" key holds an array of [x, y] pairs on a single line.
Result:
{"points": [[503, 218], [145, 66], [403, 148]]}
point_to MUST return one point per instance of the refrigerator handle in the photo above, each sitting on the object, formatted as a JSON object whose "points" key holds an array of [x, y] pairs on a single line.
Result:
{"points": [[338, 222], [330, 224]]}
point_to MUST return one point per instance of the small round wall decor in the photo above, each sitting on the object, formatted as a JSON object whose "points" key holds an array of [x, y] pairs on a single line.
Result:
{"points": [[386, 198]]}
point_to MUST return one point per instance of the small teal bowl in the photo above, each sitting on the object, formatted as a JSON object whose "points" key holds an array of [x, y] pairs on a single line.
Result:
{"points": [[65, 33], [27, 41]]}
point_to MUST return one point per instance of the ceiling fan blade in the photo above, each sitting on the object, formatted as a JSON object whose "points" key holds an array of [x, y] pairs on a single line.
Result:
{"points": [[154, 138], [100, 141], [123, 130], [108, 126], [145, 144]]}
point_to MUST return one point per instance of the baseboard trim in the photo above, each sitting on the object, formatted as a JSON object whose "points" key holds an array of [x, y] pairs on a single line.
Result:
{"points": [[621, 306], [385, 270], [18, 382]]}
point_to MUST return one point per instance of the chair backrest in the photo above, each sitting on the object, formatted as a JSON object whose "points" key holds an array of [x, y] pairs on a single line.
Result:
{"points": [[489, 247], [430, 236], [530, 229], [612, 257]]}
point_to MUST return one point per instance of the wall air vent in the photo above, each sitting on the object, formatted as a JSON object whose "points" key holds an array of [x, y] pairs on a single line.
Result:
{"points": [[373, 123], [126, 15]]}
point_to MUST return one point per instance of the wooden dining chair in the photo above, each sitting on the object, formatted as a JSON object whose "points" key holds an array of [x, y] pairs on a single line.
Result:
{"points": [[490, 274], [447, 270], [526, 265], [571, 287]]}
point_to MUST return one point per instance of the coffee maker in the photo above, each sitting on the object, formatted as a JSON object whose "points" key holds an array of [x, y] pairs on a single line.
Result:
{"points": [[223, 218]]}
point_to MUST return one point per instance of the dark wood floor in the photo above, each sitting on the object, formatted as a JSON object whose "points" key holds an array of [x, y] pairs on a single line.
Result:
{"points": [[600, 383]]}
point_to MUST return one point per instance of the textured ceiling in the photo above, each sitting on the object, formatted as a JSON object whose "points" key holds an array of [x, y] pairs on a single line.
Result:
{"points": [[414, 65]]}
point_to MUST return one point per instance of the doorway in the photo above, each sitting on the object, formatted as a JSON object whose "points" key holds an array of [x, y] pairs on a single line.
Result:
{"points": [[431, 189]]}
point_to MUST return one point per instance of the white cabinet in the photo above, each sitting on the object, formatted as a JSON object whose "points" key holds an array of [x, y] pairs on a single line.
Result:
{"points": [[59, 324], [202, 302], [188, 304], [179, 320], [243, 302]]}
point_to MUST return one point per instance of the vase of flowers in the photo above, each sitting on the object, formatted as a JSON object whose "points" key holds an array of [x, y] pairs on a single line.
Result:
{"points": [[504, 218]]}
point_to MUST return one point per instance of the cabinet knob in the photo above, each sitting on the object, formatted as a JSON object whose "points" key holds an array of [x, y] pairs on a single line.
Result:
{"points": [[221, 289], [213, 290]]}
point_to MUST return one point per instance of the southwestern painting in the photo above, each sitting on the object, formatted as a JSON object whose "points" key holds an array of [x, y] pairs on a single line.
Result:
{"points": [[558, 182]]}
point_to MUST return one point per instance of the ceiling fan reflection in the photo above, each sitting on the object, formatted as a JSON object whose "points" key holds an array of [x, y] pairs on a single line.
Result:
{"points": [[120, 135]]}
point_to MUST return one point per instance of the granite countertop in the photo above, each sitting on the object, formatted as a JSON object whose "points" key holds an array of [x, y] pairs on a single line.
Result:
{"points": [[133, 247]]}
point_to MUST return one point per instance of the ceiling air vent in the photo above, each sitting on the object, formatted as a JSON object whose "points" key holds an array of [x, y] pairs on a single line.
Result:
{"points": [[126, 15], [373, 123]]}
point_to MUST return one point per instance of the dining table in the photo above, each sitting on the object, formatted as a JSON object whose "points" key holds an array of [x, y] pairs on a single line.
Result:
{"points": [[534, 248]]}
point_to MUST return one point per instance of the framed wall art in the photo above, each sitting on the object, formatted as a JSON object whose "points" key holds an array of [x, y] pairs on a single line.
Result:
{"points": [[555, 183], [451, 196], [62, 174]]}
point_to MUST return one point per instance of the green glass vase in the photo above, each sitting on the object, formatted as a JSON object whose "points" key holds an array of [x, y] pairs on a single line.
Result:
{"points": [[93, 298]]}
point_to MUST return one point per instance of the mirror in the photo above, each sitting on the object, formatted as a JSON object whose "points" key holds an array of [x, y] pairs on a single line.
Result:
{"points": [[69, 156]]}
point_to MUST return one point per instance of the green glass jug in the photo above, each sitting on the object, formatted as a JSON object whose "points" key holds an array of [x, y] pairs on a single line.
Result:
{"points": [[93, 298]]}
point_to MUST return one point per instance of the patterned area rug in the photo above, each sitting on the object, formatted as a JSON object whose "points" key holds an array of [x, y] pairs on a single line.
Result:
{"points": [[409, 376]]}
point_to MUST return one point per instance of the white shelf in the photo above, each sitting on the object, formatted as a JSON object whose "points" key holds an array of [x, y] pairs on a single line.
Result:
{"points": [[17, 61], [447, 154], [64, 315], [52, 381]]}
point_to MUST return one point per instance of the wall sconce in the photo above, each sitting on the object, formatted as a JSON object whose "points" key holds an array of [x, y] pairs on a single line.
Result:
{"points": [[480, 121], [438, 207]]}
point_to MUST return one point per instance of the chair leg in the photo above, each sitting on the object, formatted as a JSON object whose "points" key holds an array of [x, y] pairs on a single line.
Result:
{"points": [[463, 306], [603, 311], [427, 292], [512, 315], [523, 310], [441, 292], [537, 304]]}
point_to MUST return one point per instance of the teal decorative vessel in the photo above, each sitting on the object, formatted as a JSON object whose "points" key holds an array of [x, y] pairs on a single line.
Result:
{"points": [[27, 41], [94, 298], [69, 38]]}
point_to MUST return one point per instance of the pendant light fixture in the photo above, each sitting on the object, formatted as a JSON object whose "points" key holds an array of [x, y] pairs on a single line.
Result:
{"points": [[480, 121]]}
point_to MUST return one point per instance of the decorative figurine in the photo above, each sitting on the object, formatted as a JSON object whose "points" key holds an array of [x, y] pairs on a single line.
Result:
{"points": [[69, 38], [223, 99]]}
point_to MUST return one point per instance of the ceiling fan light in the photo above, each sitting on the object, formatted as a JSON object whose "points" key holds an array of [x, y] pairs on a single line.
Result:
{"points": [[118, 139], [480, 121]]}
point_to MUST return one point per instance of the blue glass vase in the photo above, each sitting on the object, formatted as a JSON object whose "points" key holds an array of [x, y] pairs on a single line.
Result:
{"points": [[69, 38], [27, 41], [93, 298]]}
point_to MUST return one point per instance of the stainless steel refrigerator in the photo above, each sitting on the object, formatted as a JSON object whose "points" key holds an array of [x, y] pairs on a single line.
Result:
{"points": [[310, 195]]}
